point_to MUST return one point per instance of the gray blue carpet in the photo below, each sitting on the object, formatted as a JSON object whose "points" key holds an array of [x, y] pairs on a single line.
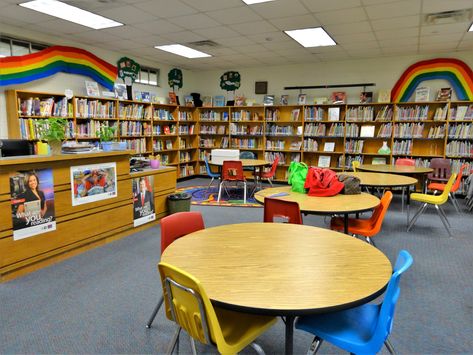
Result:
{"points": [[99, 301]]}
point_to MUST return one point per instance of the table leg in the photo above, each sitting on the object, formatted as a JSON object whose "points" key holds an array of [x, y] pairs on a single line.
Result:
{"points": [[408, 202], [345, 224], [289, 335]]}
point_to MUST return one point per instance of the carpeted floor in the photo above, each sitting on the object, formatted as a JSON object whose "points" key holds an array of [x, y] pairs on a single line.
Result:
{"points": [[208, 196], [98, 302]]}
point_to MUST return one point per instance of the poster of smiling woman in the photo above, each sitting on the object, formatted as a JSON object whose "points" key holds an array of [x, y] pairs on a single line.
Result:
{"points": [[32, 201]]}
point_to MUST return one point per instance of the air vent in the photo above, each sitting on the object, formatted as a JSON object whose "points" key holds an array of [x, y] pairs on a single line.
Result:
{"points": [[206, 43], [447, 17]]}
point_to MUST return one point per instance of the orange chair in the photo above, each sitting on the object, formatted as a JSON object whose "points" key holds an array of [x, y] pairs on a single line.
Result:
{"points": [[173, 227], [269, 175], [436, 186], [405, 162], [232, 171], [274, 207], [365, 227]]}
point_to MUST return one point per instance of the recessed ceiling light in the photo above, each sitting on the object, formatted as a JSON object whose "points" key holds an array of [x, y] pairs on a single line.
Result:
{"points": [[471, 28], [312, 37], [251, 2], [183, 51], [70, 13]]}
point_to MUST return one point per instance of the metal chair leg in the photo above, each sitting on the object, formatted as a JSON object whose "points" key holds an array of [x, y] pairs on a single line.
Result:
{"points": [[211, 181], [244, 192], [402, 200], [219, 192], [194, 350], [416, 216], [455, 202], [444, 215], [314, 346], [173, 342], [390, 347], [153, 315], [257, 348]]}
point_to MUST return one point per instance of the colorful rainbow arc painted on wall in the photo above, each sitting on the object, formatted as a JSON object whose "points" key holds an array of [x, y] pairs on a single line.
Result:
{"points": [[52, 60], [457, 73]]}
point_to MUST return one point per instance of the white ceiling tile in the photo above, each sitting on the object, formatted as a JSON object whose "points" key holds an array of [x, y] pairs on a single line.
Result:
{"points": [[327, 5], [295, 22], [24, 14], [399, 33], [275, 9], [396, 22], [340, 29], [439, 47], [192, 22], [183, 37], [398, 41], [356, 14], [444, 29], [217, 51], [209, 5], [65, 27], [357, 37], [127, 31], [251, 49], [277, 36], [364, 45], [235, 15], [289, 44], [127, 14], [256, 27], [400, 49], [152, 40], [125, 44], [453, 38], [216, 32], [97, 36], [433, 6], [239, 41], [162, 8], [394, 9], [364, 53], [158, 26]]}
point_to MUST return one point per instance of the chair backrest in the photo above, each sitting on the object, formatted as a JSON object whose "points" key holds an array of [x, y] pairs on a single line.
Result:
{"points": [[247, 155], [232, 170], [456, 184], [406, 161], [355, 164], [391, 296], [377, 217], [274, 207], [188, 305], [207, 167], [273, 167], [442, 168], [443, 197], [178, 225]]}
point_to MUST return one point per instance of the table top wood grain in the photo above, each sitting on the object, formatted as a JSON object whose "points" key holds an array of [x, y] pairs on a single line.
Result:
{"points": [[394, 169], [246, 162], [382, 179], [325, 205], [281, 268]]}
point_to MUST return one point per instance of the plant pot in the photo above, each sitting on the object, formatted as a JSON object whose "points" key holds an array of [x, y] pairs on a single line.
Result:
{"points": [[56, 147], [107, 146]]}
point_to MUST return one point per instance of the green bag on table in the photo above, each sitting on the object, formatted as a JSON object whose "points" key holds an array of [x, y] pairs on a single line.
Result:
{"points": [[297, 174]]}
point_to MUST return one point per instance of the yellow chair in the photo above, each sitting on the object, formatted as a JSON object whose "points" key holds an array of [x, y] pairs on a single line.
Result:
{"points": [[355, 164], [188, 305], [437, 201]]}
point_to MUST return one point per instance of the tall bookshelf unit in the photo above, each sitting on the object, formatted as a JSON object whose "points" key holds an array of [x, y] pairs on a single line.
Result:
{"points": [[331, 134]]}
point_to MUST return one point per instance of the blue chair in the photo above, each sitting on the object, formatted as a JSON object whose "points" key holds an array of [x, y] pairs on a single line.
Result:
{"points": [[210, 173], [248, 155], [363, 329]]}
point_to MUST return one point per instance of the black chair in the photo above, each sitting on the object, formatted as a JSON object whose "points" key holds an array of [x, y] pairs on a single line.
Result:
{"points": [[248, 155]]}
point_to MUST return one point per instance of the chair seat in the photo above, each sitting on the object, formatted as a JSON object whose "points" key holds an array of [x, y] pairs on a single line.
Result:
{"points": [[266, 175], [436, 186], [346, 329], [432, 199], [355, 226], [240, 329]]}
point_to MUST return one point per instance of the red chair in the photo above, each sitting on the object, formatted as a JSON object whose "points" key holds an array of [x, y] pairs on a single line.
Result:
{"points": [[435, 186], [405, 162], [173, 227], [365, 227], [232, 171], [442, 170], [269, 175], [274, 207]]}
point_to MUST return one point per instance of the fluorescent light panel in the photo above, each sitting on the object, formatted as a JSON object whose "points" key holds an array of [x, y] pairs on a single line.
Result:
{"points": [[312, 37], [70, 13], [471, 28], [183, 51], [251, 2]]}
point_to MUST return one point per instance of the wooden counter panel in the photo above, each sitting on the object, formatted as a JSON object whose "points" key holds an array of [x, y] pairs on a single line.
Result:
{"points": [[66, 233], [160, 204], [6, 222]]}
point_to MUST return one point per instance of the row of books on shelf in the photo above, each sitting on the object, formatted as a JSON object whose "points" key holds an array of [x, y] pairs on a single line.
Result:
{"points": [[186, 129], [245, 115], [210, 115], [354, 146], [463, 131], [135, 111], [436, 132], [184, 157], [134, 128], [461, 112], [138, 145], [185, 144], [185, 116], [252, 130], [459, 149], [162, 145], [271, 156], [408, 130], [281, 145], [186, 170], [48, 107], [212, 143], [163, 114], [246, 143], [402, 147], [274, 114], [213, 129], [85, 108], [90, 128], [164, 130], [29, 130]]}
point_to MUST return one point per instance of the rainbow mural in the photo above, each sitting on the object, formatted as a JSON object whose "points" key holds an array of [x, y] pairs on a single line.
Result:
{"points": [[456, 72], [49, 61]]}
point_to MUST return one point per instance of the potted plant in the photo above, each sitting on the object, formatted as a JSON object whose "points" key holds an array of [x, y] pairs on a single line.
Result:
{"points": [[53, 131], [106, 135]]}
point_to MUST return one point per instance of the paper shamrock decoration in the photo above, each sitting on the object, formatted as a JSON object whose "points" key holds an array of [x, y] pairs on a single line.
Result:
{"points": [[128, 70], [175, 78], [230, 81]]}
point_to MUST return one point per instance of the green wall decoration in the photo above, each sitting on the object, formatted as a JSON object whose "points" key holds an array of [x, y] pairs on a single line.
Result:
{"points": [[230, 80], [175, 78], [128, 70]]}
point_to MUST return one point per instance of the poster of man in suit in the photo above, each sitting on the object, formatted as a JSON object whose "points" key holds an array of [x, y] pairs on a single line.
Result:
{"points": [[143, 200]]}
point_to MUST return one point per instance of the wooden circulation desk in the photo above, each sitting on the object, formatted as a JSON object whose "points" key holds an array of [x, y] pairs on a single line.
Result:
{"points": [[78, 228]]}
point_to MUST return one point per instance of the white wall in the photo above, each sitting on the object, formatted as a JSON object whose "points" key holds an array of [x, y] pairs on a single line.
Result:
{"points": [[384, 72]]}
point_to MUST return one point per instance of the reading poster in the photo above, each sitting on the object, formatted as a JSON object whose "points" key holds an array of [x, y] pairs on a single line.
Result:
{"points": [[32, 202], [143, 200], [94, 182]]}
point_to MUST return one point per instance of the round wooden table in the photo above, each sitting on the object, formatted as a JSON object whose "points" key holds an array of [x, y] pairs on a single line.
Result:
{"points": [[245, 162], [394, 169], [281, 269], [338, 204]]}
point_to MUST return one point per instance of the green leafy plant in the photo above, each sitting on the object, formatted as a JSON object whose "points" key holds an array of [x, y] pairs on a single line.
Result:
{"points": [[106, 133], [52, 129]]}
